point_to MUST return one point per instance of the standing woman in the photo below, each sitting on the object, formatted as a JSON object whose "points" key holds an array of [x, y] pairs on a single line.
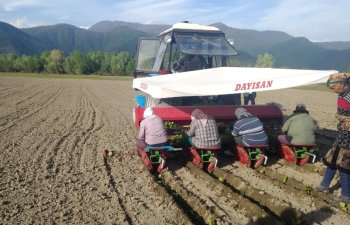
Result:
{"points": [[338, 157], [203, 132]]}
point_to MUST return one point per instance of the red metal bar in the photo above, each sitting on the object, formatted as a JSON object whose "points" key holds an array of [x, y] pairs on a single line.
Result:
{"points": [[182, 114]]}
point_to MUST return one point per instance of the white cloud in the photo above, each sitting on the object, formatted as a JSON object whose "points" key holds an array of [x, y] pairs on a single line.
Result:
{"points": [[11, 5], [315, 19], [152, 11], [25, 23]]}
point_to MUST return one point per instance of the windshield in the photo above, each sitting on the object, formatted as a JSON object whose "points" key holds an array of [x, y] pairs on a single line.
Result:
{"points": [[147, 53], [204, 44]]}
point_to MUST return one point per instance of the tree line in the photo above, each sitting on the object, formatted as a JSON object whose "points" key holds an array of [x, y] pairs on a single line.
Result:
{"points": [[55, 62], [98, 63]]}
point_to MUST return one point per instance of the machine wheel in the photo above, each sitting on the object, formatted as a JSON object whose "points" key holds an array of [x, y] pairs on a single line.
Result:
{"points": [[288, 154], [161, 167], [304, 160], [259, 162], [212, 165], [243, 156], [196, 158], [146, 159]]}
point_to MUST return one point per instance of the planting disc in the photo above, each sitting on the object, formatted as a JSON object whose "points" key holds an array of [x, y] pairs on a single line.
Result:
{"points": [[288, 154], [243, 156]]}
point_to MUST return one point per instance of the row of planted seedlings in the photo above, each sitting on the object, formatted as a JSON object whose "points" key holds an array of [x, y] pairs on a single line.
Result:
{"points": [[203, 213], [177, 138], [177, 135]]}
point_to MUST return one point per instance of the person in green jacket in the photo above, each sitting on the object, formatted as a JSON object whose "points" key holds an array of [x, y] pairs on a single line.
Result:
{"points": [[300, 128]]}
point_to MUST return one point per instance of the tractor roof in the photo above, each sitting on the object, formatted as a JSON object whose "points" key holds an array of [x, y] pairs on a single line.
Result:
{"points": [[189, 26]]}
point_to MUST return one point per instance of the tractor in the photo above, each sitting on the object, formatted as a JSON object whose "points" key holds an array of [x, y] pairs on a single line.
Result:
{"points": [[174, 89]]}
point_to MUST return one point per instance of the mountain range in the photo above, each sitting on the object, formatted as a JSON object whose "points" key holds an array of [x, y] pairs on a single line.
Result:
{"points": [[288, 51]]}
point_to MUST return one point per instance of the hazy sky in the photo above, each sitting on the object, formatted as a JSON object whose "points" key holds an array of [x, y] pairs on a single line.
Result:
{"points": [[317, 20]]}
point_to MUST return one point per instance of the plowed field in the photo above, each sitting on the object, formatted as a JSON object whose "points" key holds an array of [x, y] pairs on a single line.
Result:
{"points": [[52, 132]]}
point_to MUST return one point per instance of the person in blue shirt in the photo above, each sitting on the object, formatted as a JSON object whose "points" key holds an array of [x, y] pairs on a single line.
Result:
{"points": [[248, 130]]}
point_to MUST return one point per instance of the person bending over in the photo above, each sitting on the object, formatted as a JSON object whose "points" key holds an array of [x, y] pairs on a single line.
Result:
{"points": [[299, 129], [203, 132], [248, 130]]}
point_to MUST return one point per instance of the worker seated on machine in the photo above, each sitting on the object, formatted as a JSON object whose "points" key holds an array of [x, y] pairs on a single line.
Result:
{"points": [[152, 131], [299, 129], [298, 140], [248, 129], [203, 132]]}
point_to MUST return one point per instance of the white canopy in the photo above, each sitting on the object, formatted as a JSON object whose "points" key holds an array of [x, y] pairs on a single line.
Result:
{"points": [[227, 80]]}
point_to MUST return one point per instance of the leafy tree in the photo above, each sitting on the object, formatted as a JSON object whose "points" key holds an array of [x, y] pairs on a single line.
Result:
{"points": [[55, 62], [129, 69], [265, 60], [76, 63], [38, 63], [28, 64], [18, 64], [94, 61], [120, 63], [6, 62], [106, 64], [44, 56]]}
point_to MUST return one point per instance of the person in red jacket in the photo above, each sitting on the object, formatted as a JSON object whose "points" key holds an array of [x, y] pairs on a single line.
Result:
{"points": [[338, 157]]}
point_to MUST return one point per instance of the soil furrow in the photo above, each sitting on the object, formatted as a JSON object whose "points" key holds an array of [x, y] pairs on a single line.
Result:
{"points": [[52, 170]]}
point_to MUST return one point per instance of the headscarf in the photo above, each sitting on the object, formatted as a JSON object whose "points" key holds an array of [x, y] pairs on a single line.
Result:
{"points": [[338, 78], [241, 112], [198, 114], [300, 108], [148, 112]]}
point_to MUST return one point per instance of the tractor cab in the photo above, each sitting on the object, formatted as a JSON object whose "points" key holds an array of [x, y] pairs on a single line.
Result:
{"points": [[181, 48], [163, 54]]}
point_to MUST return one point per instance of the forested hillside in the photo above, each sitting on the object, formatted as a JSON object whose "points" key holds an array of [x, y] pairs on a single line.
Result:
{"points": [[119, 36]]}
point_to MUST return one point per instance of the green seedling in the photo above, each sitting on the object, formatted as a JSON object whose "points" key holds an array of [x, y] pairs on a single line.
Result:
{"points": [[307, 188], [210, 221], [171, 125], [315, 170], [284, 179], [343, 206], [262, 171]]}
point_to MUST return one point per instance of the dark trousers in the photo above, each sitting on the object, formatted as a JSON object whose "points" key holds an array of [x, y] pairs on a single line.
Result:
{"points": [[250, 98]]}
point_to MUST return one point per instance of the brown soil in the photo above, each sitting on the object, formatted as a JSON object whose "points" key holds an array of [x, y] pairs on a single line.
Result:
{"points": [[52, 133]]}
